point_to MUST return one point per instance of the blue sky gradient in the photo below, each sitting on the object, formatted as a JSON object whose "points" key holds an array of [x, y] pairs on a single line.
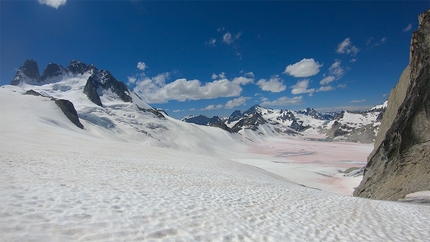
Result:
{"points": [[210, 57]]}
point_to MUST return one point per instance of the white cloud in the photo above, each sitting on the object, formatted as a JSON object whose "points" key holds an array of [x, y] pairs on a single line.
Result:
{"points": [[212, 107], [353, 60], [303, 68], [242, 80], [249, 74], [155, 90], [53, 3], [240, 101], [211, 42], [336, 70], [228, 38], [192, 109], [274, 84], [408, 28], [177, 110], [132, 80], [358, 101], [220, 29], [346, 47], [326, 80], [220, 76], [141, 66], [325, 89], [302, 87], [283, 101]]}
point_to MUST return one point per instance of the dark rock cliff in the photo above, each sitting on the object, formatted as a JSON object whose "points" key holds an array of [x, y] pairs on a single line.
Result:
{"points": [[69, 110], [29, 70], [400, 162]]}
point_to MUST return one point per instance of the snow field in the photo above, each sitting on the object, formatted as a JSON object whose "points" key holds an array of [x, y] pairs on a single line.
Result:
{"points": [[108, 191], [60, 183]]}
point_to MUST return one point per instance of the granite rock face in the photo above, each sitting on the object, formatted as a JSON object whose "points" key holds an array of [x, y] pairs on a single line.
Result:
{"points": [[29, 71], [400, 162], [52, 70]]}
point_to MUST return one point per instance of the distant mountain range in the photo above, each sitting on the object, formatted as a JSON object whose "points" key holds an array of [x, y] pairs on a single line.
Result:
{"points": [[345, 125]]}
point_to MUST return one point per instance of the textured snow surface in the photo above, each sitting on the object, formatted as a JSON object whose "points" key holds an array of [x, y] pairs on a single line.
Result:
{"points": [[60, 183], [70, 189]]}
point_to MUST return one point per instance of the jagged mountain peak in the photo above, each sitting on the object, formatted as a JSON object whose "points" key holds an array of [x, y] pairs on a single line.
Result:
{"points": [[28, 72], [98, 81]]}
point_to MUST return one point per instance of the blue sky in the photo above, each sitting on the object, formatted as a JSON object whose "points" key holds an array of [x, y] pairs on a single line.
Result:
{"points": [[210, 57]]}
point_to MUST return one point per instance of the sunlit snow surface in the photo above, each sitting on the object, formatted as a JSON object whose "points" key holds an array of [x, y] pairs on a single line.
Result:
{"points": [[60, 183]]}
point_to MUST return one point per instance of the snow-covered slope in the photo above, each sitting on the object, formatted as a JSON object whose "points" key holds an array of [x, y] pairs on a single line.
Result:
{"points": [[102, 183], [125, 118]]}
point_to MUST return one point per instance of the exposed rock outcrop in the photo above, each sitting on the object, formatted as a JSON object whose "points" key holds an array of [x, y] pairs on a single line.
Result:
{"points": [[52, 70], [32, 92], [90, 90], [28, 72], [400, 162], [69, 110]]}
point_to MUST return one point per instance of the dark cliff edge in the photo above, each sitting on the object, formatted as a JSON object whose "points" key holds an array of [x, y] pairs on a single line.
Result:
{"points": [[400, 162]]}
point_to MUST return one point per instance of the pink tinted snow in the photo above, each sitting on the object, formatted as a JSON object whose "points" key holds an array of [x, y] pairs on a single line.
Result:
{"points": [[335, 154]]}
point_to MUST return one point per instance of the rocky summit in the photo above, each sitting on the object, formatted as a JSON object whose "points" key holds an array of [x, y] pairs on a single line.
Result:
{"points": [[400, 162], [97, 80]]}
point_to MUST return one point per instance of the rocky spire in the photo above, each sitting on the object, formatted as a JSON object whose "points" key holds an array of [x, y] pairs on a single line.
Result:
{"points": [[29, 71]]}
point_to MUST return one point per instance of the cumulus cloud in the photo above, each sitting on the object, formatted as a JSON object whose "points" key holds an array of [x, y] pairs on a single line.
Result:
{"points": [[303, 68], [141, 66], [274, 84], [358, 101], [407, 28], [53, 3], [336, 70], [177, 110], [326, 80], [156, 90], [240, 101], [212, 107], [325, 89], [219, 76], [302, 87], [346, 47], [283, 101]]}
